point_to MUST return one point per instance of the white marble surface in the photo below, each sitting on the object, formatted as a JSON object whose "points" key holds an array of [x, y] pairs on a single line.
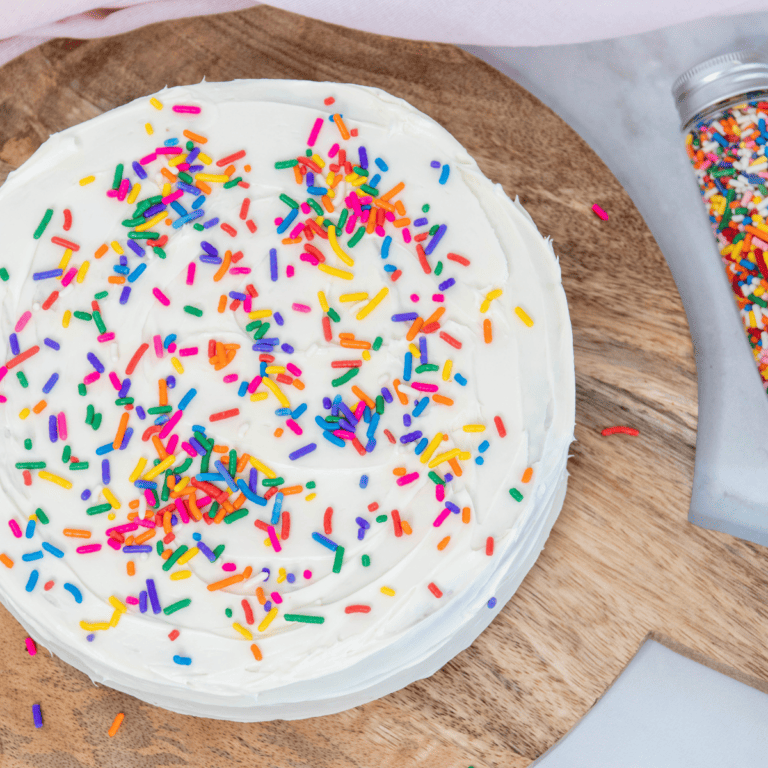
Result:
{"points": [[617, 95]]}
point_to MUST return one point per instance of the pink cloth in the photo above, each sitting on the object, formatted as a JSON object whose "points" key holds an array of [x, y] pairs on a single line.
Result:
{"points": [[28, 23]]}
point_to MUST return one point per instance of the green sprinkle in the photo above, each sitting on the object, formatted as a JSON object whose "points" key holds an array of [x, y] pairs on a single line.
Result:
{"points": [[198, 227], [359, 171], [252, 326], [190, 145], [143, 235], [379, 404], [369, 190], [232, 182], [343, 379], [79, 465], [233, 462], [757, 300], [118, 177], [342, 220], [159, 252], [43, 224], [242, 512], [96, 421], [131, 223], [89, 413], [41, 516], [308, 153], [184, 176], [515, 494], [311, 484], [438, 267], [124, 401], [337, 560], [434, 229], [425, 208], [382, 519], [427, 367], [4, 273], [355, 239], [289, 201], [171, 561], [435, 478], [173, 607], [183, 467], [280, 164], [314, 206], [366, 560], [160, 547], [99, 322], [82, 315], [333, 314], [81, 390], [228, 613], [213, 510], [303, 618], [262, 330], [269, 482], [377, 342], [28, 444], [66, 454], [190, 310], [30, 465], [160, 409], [218, 551], [22, 379], [98, 509]]}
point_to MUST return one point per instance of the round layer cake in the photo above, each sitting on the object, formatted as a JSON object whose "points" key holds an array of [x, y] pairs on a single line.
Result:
{"points": [[287, 399]]}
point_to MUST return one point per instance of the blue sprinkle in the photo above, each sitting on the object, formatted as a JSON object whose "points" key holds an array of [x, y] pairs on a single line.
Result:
{"points": [[200, 200], [30, 556], [382, 166], [51, 343], [74, 591], [326, 542], [390, 268], [458, 377], [273, 264], [182, 220], [85, 495], [125, 294], [30, 530], [302, 451], [32, 581], [95, 362], [121, 269], [55, 551], [385, 247], [146, 484], [225, 474], [446, 284], [434, 164], [363, 481], [483, 447], [298, 411], [14, 341], [138, 170], [331, 438], [136, 274], [479, 461], [432, 244], [278, 318], [420, 406], [197, 536], [492, 602], [407, 365], [283, 412], [187, 399], [319, 191], [179, 208], [49, 385], [170, 142], [183, 660], [287, 221], [105, 473], [421, 446], [444, 174], [242, 389], [276, 508]]}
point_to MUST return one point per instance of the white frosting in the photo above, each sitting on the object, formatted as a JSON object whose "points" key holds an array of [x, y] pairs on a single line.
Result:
{"points": [[525, 375]]}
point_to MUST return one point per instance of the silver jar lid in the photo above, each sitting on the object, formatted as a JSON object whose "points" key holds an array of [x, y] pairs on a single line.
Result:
{"points": [[720, 78]]}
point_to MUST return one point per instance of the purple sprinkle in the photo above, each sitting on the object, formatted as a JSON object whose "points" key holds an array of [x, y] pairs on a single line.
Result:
{"points": [[190, 158], [253, 480], [290, 578], [37, 715], [137, 548], [386, 394], [287, 348], [310, 179], [327, 403], [126, 438], [124, 387], [210, 259], [136, 248], [208, 248], [206, 551], [423, 349], [432, 244], [362, 522], [360, 534], [90, 638], [51, 343], [446, 284], [188, 187], [123, 260], [435, 164], [48, 273], [155, 209], [450, 505], [49, 385], [53, 431], [143, 601], [411, 436], [273, 264], [420, 222], [171, 382], [14, 341], [210, 222], [278, 318], [105, 474], [237, 295], [448, 477], [406, 317], [297, 454], [138, 170], [370, 445], [344, 424], [85, 495], [124, 294], [363, 155], [140, 412], [492, 602], [268, 606], [152, 592], [406, 419], [196, 445], [95, 362]]}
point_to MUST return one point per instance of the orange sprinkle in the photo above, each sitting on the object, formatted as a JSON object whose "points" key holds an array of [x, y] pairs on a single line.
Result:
{"points": [[278, 432], [202, 186], [260, 596], [297, 174], [399, 207], [256, 652], [414, 329], [362, 396], [130, 568], [117, 442], [527, 475], [349, 344], [247, 168], [100, 251], [242, 461], [382, 204], [406, 528], [340, 125], [6, 561], [401, 395], [239, 501], [224, 266], [443, 543], [290, 240], [236, 579], [116, 724], [133, 504], [400, 223], [163, 391], [442, 399], [487, 331], [392, 192], [77, 533], [159, 447], [292, 490], [455, 466], [168, 175], [298, 383], [40, 406], [196, 137], [116, 279], [435, 316], [399, 471], [221, 449], [465, 515], [229, 170], [146, 536], [166, 554]]}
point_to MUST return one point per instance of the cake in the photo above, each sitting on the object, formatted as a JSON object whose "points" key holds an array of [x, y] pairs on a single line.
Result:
{"points": [[287, 399]]}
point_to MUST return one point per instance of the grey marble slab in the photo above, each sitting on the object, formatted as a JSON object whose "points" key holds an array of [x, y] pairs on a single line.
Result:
{"points": [[617, 95]]}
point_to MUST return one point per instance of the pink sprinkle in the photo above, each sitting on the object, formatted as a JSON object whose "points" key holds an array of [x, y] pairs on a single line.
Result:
{"points": [[84, 550], [168, 151], [414, 297], [380, 231], [351, 222], [204, 502], [115, 380], [359, 410], [438, 297], [300, 308], [3, 371], [23, 320], [104, 337], [229, 378], [31, 647], [278, 221], [190, 451], [229, 567], [294, 427], [389, 216], [158, 345], [173, 196], [67, 279], [191, 273], [405, 479], [343, 434], [310, 259], [15, 530], [189, 351], [149, 496], [289, 271], [406, 234], [122, 190], [254, 385], [111, 193], [182, 510], [131, 600], [276, 597], [161, 297], [308, 574], [293, 369], [172, 443], [240, 271], [3, 399], [420, 387], [172, 347], [91, 377], [125, 528], [114, 543], [186, 109], [600, 212], [248, 303], [169, 425], [147, 159], [296, 230], [440, 519], [273, 538], [305, 209], [333, 150], [440, 492], [182, 167], [314, 132], [61, 420], [366, 214]]}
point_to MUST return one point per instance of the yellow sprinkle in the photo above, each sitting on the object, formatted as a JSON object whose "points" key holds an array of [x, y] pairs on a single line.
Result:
{"points": [[178, 575], [24, 412], [348, 260], [275, 369], [257, 314], [213, 177], [319, 160], [445, 456], [87, 180], [151, 222], [262, 467], [366, 354], [323, 301], [474, 428], [156, 103], [180, 486], [267, 620], [92, 626], [176, 363], [523, 315], [447, 370], [204, 159], [335, 272], [282, 575], [310, 497], [83, 271], [149, 129], [358, 181], [330, 177], [242, 630], [352, 297], [351, 177], [431, 446], [117, 605], [373, 303], [178, 160], [414, 350], [166, 189], [256, 396], [133, 194], [489, 298], [388, 591], [159, 468], [138, 469], [111, 498], [117, 248], [276, 391], [43, 475], [64, 261], [188, 555], [66, 318]]}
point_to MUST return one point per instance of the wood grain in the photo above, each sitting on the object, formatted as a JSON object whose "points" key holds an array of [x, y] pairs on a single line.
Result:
{"points": [[622, 559]]}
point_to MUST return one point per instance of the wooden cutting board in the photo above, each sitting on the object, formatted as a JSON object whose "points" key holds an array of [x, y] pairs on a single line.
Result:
{"points": [[622, 560]]}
